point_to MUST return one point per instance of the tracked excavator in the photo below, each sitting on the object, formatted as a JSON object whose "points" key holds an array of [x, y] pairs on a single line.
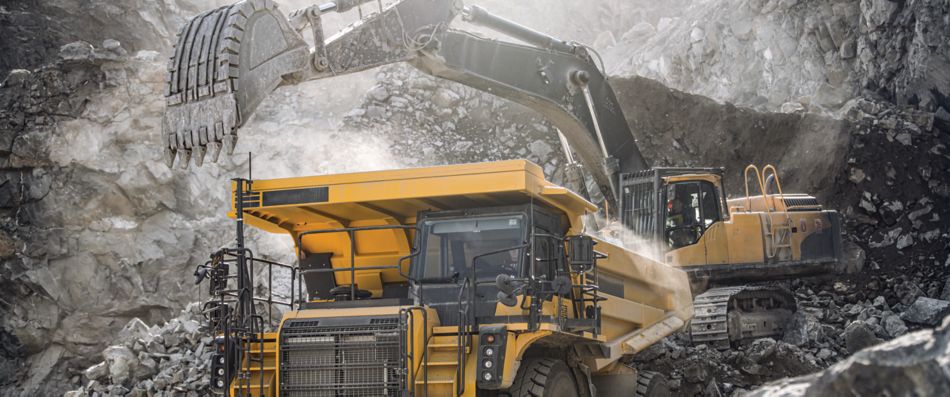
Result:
{"points": [[379, 264]]}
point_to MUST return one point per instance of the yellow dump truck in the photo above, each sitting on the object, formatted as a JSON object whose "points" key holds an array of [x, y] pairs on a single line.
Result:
{"points": [[461, 280]]}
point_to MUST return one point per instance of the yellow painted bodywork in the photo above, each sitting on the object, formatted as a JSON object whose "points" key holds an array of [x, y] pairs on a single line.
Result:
{"points": [[655, 301], [744, 236]]}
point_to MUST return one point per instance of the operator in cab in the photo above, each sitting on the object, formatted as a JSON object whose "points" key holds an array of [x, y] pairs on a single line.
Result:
{"points": [[681, 221]]}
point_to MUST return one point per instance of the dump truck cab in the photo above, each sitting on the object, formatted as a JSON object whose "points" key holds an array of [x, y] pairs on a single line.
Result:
{"points": [[455, 280]]}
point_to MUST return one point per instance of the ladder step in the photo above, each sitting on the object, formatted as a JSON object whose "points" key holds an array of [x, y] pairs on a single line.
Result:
{"points": [[445, 330], [436, 381], [443, 345], [442, 363]]}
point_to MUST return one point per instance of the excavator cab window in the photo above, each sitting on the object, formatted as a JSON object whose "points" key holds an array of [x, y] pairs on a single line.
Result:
{"points": [[691, 208]]}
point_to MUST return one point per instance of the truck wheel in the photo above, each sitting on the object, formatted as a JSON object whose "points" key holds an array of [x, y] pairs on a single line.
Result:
{"points": [[652, 384], [544, 377]]}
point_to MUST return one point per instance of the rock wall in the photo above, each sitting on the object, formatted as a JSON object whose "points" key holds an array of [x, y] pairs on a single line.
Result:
{"points": [[770, 53], [101, 232], [34, 31]]}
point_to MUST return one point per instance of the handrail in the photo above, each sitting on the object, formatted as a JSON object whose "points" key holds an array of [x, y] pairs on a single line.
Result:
{"points": [[424, 365], [758, 178], [351, 234], [778, 184], [463, 331], [472, 274], [251, 259]]}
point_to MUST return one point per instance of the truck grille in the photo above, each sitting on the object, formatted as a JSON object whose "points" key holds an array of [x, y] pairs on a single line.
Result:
{"points": [[343, 358]]}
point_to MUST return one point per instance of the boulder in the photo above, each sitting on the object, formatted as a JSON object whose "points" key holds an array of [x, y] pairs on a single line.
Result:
{"points": [[914, 364], [894, 326], [122, 363], [927, 311], [859, 335], [97, 371]]}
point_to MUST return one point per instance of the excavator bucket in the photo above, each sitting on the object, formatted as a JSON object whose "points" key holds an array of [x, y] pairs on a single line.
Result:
{"points": [[225, 63]]}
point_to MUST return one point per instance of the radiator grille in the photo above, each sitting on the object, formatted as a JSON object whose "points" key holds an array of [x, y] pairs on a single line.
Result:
{"points": [[341, 361]]}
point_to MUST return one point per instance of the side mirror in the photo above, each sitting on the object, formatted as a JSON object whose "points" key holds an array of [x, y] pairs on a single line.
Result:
{"points": [[507, 299], [562, 285], [507, 286], [200, 274]]}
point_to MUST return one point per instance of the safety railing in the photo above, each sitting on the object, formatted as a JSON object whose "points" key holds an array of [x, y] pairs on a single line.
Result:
{"points": [[463, 334], [224, 292], [777, 237], [241, 328], [353, 268], [409, 362]]}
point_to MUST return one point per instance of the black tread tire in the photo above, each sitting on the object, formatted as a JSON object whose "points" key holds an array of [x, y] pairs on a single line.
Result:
{"points": [[544, 377], [652, 384]]}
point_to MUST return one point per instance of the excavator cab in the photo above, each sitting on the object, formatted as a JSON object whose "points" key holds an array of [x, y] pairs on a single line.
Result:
{"points": [[672, 208], [692, 207]]}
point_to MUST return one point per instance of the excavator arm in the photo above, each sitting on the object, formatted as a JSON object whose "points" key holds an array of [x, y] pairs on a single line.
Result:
{"points": [[228, 60]]}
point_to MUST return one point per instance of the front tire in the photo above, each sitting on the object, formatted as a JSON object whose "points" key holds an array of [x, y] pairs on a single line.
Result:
{"points": [[544, 377]]}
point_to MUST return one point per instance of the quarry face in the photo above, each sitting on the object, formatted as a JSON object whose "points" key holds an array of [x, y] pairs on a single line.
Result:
{"points": [[850, 100]]}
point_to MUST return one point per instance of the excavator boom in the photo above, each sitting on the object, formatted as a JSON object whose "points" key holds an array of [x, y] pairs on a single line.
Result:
{"points": [[228, 60]]}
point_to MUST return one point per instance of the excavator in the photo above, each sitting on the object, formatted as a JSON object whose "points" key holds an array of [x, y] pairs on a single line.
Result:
{"points": [[228, 60]]}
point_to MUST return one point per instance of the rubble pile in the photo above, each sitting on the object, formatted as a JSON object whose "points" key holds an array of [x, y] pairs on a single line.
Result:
{"points": [[835, 319], [167, 360], [894, 190], [912, 364]]}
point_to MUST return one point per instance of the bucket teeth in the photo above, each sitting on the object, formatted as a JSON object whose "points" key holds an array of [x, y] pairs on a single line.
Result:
{"points": [[170, 153], [185, 159], [200, 155], [229, 142], [214, 149]]}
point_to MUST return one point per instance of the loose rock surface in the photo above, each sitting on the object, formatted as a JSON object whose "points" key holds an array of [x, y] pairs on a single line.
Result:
{"points": [[167, 360], [912, 364]]}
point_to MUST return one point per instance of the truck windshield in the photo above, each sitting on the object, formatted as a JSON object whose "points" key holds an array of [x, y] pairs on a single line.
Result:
{"points": [[450, 245]]}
